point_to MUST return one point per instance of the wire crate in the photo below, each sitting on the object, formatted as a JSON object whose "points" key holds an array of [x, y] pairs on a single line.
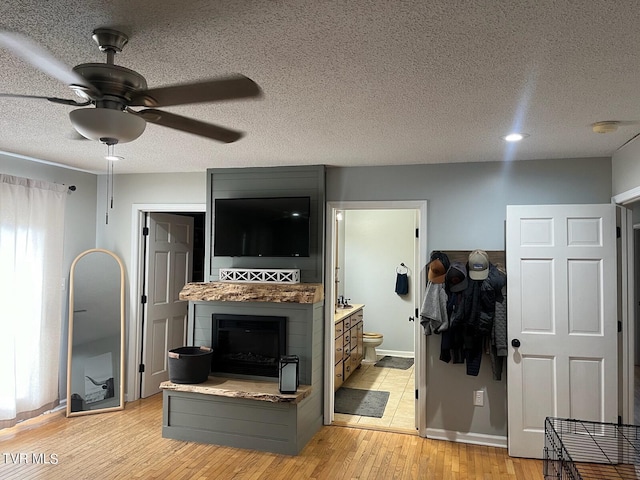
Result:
{"points": [[583, 450]]}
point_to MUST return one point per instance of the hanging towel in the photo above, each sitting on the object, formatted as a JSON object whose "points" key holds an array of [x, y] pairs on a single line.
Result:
{"points": [[402, 283]]}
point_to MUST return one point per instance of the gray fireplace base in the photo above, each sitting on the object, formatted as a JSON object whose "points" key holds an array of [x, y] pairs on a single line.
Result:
{"points": [[243, 419]]}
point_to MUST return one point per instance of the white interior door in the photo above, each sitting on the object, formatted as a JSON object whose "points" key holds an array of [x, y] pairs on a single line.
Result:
{"points": [[169, 264], [561, 308]]}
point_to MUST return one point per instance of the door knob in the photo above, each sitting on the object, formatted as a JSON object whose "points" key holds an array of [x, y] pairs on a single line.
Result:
{"points": [[411, 319], [515, 343]]}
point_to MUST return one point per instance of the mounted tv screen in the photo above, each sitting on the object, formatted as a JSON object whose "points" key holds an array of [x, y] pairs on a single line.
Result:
{"points": [[261, 227]]}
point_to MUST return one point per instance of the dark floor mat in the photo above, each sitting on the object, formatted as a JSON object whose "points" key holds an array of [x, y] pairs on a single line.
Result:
{"points": [[395, 362], [367, 403]]}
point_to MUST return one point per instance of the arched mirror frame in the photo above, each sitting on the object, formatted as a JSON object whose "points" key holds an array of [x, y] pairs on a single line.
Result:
{"points": [[70, 340]]}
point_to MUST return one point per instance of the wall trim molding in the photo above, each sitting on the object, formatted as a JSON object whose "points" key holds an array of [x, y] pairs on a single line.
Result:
{"points": [[498, 441], [627, 197], [395, 353], [46, 162]]}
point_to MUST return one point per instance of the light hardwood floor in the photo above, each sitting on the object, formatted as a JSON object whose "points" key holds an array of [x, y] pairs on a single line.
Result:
{"points": [[129, 445]]}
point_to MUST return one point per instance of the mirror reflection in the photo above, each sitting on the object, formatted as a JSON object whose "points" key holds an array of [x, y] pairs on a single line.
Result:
{"points": [[96, 333]]}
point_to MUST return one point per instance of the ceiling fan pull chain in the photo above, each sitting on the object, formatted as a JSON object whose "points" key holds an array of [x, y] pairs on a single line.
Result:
{"points": [[111, 162], [106, 210]]}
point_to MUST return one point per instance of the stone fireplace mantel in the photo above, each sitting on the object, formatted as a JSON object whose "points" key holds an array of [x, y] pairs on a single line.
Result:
{"points": [[253, 292], [239, 388]]}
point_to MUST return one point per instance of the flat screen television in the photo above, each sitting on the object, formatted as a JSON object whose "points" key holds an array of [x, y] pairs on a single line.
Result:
{"points": [[261, 227]]}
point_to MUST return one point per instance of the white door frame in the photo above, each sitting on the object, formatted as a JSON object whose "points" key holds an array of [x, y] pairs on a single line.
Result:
{"points": [[636, 298], [628, 304], [627, 316], [136, 277], [420, 346]]}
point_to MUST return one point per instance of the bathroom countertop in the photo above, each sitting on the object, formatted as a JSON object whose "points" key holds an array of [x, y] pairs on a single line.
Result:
{"points": [[342, 313]]}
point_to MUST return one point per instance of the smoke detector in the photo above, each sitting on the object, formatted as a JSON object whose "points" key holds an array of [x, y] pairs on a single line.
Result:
{"points": [[608, 126]]}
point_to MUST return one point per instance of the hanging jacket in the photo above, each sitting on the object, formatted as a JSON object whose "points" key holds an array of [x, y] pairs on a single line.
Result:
{"points": [[479, 308], [499, 332], [499, 348], [452, 342], [433, 314]]}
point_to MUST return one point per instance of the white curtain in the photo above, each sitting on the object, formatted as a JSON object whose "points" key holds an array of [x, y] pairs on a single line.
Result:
{"points": [[31, 259]]}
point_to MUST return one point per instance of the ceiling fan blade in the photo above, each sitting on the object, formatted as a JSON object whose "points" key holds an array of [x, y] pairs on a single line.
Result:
{"points": [[215, 90], [40, 58], [189, 125], [62, 101]]}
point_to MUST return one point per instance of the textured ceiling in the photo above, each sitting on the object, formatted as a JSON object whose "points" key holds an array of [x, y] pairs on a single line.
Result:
{"points": [[358, 82]]}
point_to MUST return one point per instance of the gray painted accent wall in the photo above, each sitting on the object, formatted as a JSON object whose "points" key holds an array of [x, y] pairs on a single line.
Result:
{"points": [[305, 335], [467, 210], [269, 182], [304, 330]]}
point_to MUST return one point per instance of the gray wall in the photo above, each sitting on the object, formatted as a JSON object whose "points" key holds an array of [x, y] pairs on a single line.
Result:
{"points": [[79, 229], [466, 210], [143, 188], [150, 189]]}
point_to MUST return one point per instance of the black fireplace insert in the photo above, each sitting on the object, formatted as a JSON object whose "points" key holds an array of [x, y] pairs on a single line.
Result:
{"points": [[248, 344]]}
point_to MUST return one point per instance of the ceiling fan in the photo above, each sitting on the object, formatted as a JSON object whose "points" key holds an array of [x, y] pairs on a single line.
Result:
{"points": [[111, 91]]}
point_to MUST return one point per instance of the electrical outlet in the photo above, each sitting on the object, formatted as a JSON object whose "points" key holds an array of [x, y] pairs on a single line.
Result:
{"points": [[478, 398]]}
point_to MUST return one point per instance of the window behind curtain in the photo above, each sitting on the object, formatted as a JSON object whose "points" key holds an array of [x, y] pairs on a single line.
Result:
{"points": [[31, 297]]}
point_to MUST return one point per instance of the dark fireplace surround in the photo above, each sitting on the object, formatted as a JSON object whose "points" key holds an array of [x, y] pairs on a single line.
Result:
{"points": [[248, 345]]}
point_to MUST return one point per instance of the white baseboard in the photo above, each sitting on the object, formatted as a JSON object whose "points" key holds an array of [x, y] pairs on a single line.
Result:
{"points": [[465, 437], [61, 406], [394, 353]]}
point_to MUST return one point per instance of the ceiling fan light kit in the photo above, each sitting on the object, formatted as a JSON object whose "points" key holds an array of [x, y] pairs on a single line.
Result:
{"points": [[111, 90], [107, 125]]}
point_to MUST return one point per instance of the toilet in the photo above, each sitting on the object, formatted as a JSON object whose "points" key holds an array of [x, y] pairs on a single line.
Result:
{"points": [[371, 341]]}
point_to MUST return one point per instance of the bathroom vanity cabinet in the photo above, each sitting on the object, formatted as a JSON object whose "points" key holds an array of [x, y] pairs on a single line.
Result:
{"points": [[349, 344]]}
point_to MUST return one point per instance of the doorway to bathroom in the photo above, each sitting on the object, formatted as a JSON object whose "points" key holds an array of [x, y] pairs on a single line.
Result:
{"points": [[371, 246]]}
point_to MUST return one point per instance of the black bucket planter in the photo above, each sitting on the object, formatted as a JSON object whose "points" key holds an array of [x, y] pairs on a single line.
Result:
{"points": [[189, 364]]}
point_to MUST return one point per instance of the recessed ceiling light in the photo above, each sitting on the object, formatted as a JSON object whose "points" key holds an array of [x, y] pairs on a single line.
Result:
{"points": [[515, 137]]}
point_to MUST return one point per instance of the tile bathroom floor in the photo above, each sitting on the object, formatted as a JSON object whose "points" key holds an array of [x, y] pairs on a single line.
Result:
{"points": [[399, 414]]}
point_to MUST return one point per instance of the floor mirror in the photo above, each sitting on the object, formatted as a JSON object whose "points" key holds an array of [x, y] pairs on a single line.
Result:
{"points": [[95, 366]]}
